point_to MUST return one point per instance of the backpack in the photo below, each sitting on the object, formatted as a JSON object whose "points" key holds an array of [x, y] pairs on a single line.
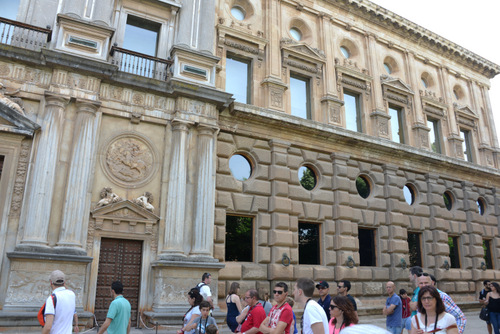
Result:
{"points": [[199, 286], [41, 312]]}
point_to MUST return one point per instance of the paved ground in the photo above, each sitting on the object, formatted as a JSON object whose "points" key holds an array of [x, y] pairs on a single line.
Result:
{"points": [[474, 326]]}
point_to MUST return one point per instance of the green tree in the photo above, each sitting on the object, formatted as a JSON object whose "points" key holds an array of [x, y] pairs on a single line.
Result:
{"points": [[308, 179]]}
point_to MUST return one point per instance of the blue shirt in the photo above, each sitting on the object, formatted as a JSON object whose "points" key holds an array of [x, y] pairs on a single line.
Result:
{"points": [[394, 319], [325, 304]]}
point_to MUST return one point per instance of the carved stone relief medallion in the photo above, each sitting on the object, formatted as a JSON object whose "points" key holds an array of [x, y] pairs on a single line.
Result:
{"points": [[129, 160]]}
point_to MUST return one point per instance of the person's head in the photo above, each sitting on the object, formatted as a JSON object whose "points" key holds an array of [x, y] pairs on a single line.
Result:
{"points": [[252, 297], [194, 297], [117, 287], [414, 272], [341, 306], [486, 284], [57, 278], [303, 289], [323, 288], [206, 278], [290, 301], [280, 292], [235, 287], [424, 279], [495, 287], [204, 309], [390, 288], [343, 287], [429, 300], [433, 280], [211, 329], [403, 294]]}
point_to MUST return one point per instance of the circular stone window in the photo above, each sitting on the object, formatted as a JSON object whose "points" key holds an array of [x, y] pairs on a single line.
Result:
{"points": [[363, 186], [240, 167], [296, 34], [238, 13], [307, 178], [387, 68], [481, 206], [409, 193], [448, 200], [345, 51]]}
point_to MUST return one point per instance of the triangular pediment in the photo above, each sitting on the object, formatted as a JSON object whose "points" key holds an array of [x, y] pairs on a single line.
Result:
{"points": [[302, 50], [125, 211], [13, 121], [466, 111], [397, 84]]}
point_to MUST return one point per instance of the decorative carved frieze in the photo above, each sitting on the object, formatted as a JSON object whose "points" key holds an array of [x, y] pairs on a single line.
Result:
{"points": [[466, 121], [19, 183], [241, 46]]}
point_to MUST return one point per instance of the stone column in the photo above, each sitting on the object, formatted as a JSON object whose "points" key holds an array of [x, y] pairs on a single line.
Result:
{"points": [[176, 198], [196, 25], [203, 229], [37, 210], [77, 202]]}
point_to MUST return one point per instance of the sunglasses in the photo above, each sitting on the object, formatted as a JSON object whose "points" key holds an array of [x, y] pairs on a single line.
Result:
{"points": [[279, 292], [339, 286], [333, 306], [423, 274]]}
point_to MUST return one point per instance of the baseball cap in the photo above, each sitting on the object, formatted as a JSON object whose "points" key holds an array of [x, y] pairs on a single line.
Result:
{"points": [[58, 277], [322, 284]]}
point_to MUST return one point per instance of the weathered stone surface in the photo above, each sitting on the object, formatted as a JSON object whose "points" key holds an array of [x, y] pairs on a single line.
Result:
{"points": [[251, 271]]}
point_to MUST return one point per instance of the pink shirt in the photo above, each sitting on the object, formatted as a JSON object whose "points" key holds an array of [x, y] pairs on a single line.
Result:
{"points": [[334, 330]]}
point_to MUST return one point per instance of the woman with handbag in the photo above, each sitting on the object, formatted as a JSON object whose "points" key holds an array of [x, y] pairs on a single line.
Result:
{"points": [[431, 316], [493, 303]]}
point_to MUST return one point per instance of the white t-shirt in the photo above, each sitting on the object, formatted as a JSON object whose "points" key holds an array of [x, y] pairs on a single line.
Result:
{"points": [[64, 312], [314, 313], [195, 310], [443, 323], [205, 291]]}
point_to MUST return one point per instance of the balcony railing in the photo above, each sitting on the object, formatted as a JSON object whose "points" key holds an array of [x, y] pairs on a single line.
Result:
{"points": [[23, 35], [140, 64]]}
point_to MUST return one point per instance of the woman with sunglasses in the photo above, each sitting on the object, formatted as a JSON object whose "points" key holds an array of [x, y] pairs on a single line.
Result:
{"points": [[493, 303], [342, 314], [431, 316]]}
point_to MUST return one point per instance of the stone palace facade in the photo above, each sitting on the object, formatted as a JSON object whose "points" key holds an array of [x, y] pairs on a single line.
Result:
{"points": [[259, 140]]}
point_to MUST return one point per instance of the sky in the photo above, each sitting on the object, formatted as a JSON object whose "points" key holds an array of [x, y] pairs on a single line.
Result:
{"points": [[472, 25]]}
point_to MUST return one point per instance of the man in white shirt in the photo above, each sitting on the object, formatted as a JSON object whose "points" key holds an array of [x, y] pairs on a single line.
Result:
{"points": [[204, 287], [59, 318], [314, 319]]}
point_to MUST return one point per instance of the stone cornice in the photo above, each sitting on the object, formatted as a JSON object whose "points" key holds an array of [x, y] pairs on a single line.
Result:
{"points": [[401, 26]]}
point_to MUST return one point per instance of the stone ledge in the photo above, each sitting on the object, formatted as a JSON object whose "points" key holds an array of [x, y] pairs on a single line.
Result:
{"points": [[49, 254]]}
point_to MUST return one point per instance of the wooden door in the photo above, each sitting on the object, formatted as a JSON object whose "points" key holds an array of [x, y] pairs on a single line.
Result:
{"points": [[119, 260]]}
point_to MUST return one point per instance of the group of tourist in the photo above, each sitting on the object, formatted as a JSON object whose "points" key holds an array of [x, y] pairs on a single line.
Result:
{"points": [[489, 297]]}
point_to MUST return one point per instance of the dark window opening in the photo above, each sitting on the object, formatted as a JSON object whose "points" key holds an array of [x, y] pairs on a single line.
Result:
{"points": [[454, 252], [414, 249], [367, 247], [2, 158], [448, 200], [309, 243], [363, 186], [488, 258], [239, 240]]}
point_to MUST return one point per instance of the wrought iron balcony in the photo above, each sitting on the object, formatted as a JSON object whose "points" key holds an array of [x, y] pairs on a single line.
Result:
{"points": [[140, 64], [23, 35]]}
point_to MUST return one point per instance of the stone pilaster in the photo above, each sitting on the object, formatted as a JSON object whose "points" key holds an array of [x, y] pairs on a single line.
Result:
{"points": [[37, 210], [202, 244], [78, 196], [176, 198], [374, 63]]}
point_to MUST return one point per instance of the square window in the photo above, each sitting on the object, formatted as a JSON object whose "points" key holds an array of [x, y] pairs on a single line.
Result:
{"points": [[434, 135], [238, 74], [414, 248], [397, 126], [352, 111], [309, 243], [300, 99], [454, 252], [366, 238], [488, 257], [239, 238]]}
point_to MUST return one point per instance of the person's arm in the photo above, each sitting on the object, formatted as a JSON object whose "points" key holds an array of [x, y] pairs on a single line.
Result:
{"points": [[49, 320], [209, 299], [129, 324], [280, 327], [451, 331], [389, 310], [105, 326], [242, 315], [236, 299], [193, 318], [317, 328], [487, 299], [75, 319]]}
